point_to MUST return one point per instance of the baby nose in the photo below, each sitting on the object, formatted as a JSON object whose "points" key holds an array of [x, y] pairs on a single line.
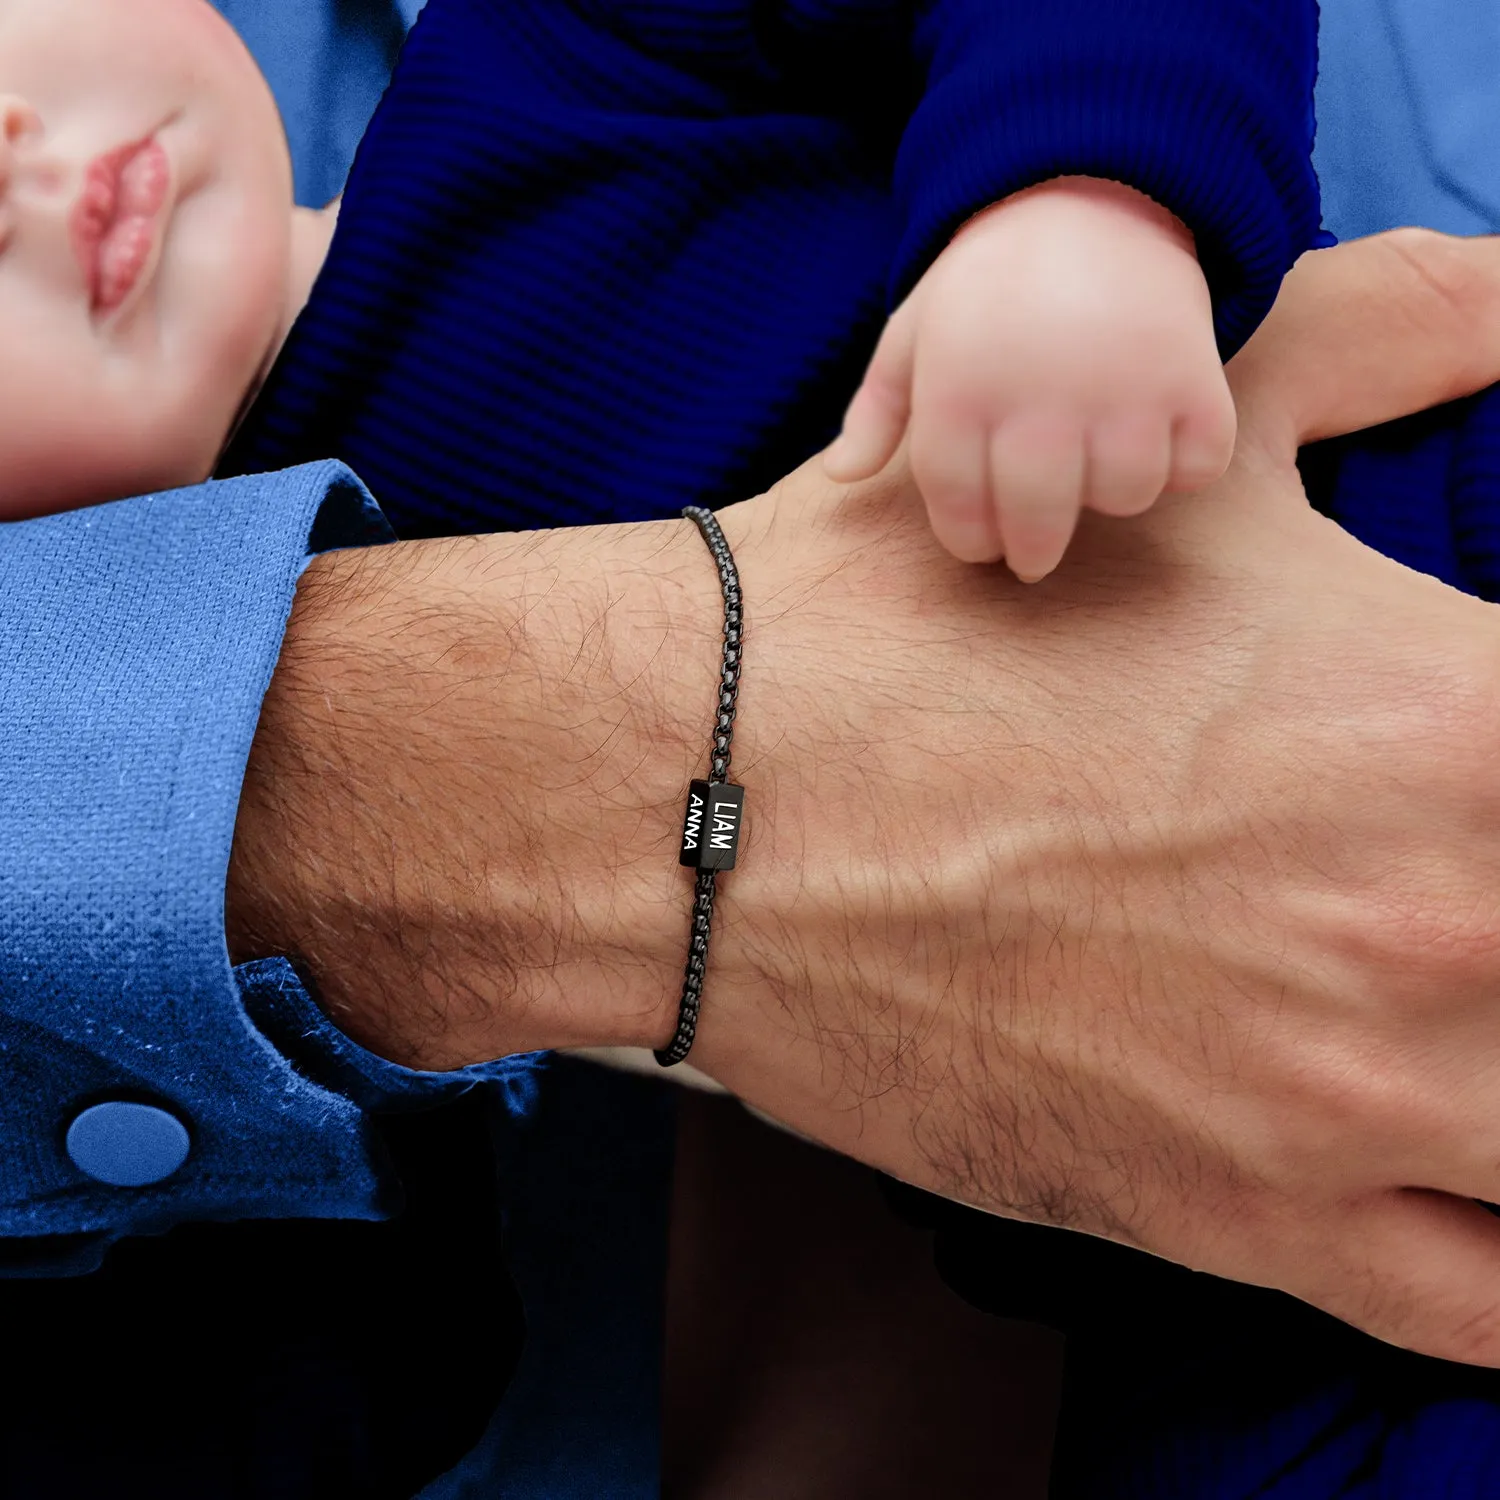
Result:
{"points": [[18, 122]]}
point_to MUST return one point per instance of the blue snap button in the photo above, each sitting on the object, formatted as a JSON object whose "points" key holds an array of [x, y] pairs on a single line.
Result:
{"points": [[127, 1145]]}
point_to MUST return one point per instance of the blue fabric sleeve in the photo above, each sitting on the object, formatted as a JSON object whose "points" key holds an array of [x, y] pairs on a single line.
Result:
{"points": [[1207, 108], [141, 637]]}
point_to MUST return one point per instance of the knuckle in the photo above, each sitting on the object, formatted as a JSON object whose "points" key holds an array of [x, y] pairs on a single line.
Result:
{"points": [[1124, 487], [1334, 1092], [1134, 437], [942, 472], [1463, 292], [1438, 261], [957, 407], [1430, 705], [1033, 516], [1442, 930], [1125, 502], [1197, 468], [1208, 435], [885, 388], [1042, 429]]}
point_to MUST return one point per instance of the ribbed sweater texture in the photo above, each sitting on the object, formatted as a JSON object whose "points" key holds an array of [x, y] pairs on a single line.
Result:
{"points": [[600, 259]]}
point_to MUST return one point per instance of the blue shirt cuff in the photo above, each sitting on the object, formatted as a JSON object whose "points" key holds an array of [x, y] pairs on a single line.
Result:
{"points": [[138, 1091]]}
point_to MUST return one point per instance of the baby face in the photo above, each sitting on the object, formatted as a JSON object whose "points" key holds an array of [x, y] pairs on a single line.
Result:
{"points": [[145, 234]]}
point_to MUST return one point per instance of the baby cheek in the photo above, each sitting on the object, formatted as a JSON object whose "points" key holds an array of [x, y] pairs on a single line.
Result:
{"points": [[221, 350], [188, 440], [155, 437], [58, 450], [243, 334], [77, 429], [44, 481], [152, 457], [188, 23]]}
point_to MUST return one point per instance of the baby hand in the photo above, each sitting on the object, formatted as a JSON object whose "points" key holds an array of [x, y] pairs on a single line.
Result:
{"points": [[1059, 353]]}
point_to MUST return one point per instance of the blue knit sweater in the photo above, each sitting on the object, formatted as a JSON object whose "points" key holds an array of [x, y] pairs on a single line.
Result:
{"points": [[599, 259]]}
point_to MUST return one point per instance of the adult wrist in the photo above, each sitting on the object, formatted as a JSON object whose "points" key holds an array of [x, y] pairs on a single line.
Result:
{"points": [[462, 810]]}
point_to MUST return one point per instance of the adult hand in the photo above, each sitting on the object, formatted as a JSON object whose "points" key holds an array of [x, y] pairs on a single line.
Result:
{"points": [[1155, 901]]}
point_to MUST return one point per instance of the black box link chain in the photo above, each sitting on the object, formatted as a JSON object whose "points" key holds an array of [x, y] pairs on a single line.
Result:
{"points": [[716, 807]]}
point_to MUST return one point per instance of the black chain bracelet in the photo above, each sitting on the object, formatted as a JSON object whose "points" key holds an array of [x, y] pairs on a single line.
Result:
{"points": [[716, 807]]}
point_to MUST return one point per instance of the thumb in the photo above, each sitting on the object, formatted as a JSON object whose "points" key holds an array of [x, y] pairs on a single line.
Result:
{"points": [[877, 417], [1369, 331]]}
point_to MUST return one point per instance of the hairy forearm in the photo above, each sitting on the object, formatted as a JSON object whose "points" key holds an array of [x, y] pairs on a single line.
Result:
{"points": [[464, 796]]}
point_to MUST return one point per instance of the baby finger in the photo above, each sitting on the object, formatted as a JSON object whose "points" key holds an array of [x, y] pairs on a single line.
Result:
{"points": [[950, 465], [1037, 474], [1202, 445], [1128, 461]]}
